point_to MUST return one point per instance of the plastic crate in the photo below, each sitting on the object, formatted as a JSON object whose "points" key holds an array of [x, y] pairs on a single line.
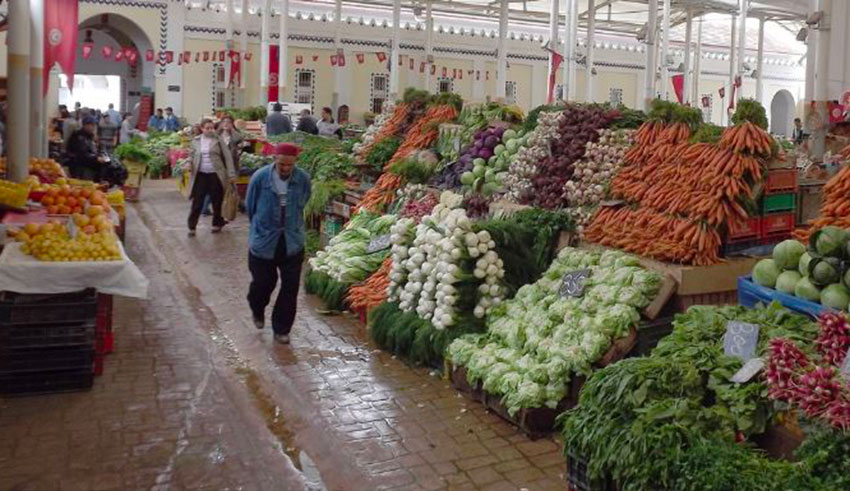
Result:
{"points": [[733, 248], [774, 203], [38, 313], [577, 478], [781, 181], [47, 359], [751, 294], [748, 230], [46, 336], [777, 225], [46, 382], [649, 334]]}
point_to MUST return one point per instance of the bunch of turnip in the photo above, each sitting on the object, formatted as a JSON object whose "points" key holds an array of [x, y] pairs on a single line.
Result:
{"points": [[523, 166], [471, 168], [592, 174]]}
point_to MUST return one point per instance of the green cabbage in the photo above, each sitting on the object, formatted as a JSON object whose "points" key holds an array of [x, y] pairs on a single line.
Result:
{"points": [[803, 265], [824, 270], [787, 254], [807, 290], [835, 296], [828, 241], [765, 273], [786, 282]]}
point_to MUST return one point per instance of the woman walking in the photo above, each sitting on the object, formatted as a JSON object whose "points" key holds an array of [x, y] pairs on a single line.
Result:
{"points": [[212, 169], [232, 138]]}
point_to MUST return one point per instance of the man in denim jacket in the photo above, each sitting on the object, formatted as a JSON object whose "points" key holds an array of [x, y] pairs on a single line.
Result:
{"points": [[275, 204]]}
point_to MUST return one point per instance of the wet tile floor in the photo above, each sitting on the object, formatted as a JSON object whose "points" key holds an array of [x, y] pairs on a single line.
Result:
{"points": [[194, 397]]}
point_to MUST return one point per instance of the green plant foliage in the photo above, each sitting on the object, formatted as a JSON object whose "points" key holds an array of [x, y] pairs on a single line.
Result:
{"points": [[750, 110], [629, 118], [382, 151], [312, 243], [322, 192], [254, 113], [413, 171], [707, 133], [133, 152], [330, 291], [671, 112]]}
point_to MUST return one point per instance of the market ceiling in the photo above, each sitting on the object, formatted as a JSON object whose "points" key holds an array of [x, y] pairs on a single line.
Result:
{"points": [[618, 17]]}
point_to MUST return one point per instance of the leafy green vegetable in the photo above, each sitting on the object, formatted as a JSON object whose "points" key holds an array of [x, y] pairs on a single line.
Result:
{"points": [[382, 151], [707, 133], [750, 110], [413, 171], [323, 191], [671, 112]]}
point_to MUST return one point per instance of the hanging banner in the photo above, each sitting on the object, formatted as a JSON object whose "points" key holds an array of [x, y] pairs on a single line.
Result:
{"points": [[445, 71], [248, 56], [299, 59], [235, 69], [706, 101], [187, 57], [679, 86], [119, 55], [169, 57], [149, 55], [197, 57], [179, 59], [382, 57], [133, 57], [722, 92], [555, 61], [410, 63], [106, 52], [360, 58], [333, 60], [87, 50], [400, 60], [433, 69], [836, 112], [206, 56], [315, 57], [340, 59], [274, 71], [60, 38], [421, 67], [460, 74], [477, 74], [454, 72]]}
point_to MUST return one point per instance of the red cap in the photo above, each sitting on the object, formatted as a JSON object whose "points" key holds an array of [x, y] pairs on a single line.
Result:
{"points": [[287, 149]]}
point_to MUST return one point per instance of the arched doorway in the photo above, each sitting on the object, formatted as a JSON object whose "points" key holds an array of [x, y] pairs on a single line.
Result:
{"points": [[104, 73], [782, 113]]}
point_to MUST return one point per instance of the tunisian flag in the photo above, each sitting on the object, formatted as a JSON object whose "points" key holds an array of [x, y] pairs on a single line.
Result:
{"points": [[60, 38], [679, 86], [555, 62]]}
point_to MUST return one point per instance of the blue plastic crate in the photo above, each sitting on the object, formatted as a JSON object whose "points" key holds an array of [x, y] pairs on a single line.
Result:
{"points": [[750, 294]]}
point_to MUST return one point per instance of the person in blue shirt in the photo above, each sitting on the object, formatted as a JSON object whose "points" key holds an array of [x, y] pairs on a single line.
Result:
{"points": [[114, 115], [275, 204], [171, 122], [157, 122]]}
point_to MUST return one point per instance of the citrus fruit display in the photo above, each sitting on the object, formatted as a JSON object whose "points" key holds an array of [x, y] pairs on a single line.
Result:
{"points": [[63, 199], [47, 169], [14, 194], [95, 240]]}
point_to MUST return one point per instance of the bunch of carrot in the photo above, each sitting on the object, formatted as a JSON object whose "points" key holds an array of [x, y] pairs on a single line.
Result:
{"points": [[381, 194], [747, 137], [373, 291], [424, 132], [835, 210], [652, 234], [393, 126]]}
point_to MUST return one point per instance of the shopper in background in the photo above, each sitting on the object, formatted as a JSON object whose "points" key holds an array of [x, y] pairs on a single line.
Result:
{"points": [[127, 131], [212, 169], [171, 122], [232, 137], [83, 158], [156, 122], [327, 126], [307, 123], [275, 205], [798, 135], [107, 134], [277, 123], [114, 115]]}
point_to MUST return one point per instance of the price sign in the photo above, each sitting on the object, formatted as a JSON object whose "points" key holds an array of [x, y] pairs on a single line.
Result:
{"points": [[845, 367], [379, 244], [574, 282], [611, 202], [748, 371], [740, 340]]}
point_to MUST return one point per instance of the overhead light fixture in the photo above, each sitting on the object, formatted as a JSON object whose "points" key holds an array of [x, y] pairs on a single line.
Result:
{"points": [[755, 74], [803, 34], [641, 34], [815, 18]]}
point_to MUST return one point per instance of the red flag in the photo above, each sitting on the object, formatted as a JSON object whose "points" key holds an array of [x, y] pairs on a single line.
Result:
{"points": [[433, 69], [333, 60], [132, 57], [87, 49], [410, 63], [360, 58], [460, 74], [836, 112], [235, 68], [274, 72], [706, 101], [248, 56], [197, 56], [187, 57], [340, 59], [221, 55], [421, 67], [299, 59], [106, 51], [445, 71], [556, 61], [149, 55], [679, 86], [119, 55], [382, 57], [315, 57], [454, 72], [169, 57], [206, 56], [60, 38], [722, 92]]}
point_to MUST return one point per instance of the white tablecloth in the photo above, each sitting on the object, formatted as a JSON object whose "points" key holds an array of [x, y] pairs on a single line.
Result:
{"points": [[21, 273]]}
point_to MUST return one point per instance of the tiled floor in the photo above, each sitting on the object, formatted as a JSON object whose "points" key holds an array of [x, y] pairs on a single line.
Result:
{"points": [[195, 398]]}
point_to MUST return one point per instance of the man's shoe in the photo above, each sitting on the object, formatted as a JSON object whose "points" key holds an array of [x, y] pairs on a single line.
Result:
{"points": [[282, 338], [191, 232], [216, 229], [259, 323]]}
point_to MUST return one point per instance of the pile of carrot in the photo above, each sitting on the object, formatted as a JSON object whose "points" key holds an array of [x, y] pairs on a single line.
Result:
{"points": [[685, 193], [835, 210], [381, 194], [373, 291], [393, 126], [424, 132]]}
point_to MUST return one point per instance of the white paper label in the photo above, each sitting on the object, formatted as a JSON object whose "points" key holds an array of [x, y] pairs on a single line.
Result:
{"points": [[748, 371]]}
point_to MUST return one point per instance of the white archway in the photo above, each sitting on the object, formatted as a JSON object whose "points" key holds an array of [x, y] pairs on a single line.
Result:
{"points": [[782, 113]]}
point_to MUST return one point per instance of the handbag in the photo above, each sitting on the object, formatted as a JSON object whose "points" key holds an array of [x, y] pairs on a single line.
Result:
{"points": [[230, 206]]}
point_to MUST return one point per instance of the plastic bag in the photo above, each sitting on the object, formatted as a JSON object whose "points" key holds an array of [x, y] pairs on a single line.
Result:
{"points": [[230, 206]]}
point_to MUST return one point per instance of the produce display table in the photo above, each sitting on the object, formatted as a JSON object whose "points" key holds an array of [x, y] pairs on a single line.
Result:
{"points": [[751, 293], [33, 216], [24, 274]]}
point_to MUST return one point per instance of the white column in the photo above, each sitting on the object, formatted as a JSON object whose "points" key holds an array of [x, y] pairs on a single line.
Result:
{"points": [[822, 57], [340, 79], [689, 34], [264, 52], [570, 63], [228, 47], [502, 56], [591, 48], [733, 64], [539, 78], [651, 53], [38, 137], [553, 42], [811, 56], [18, 127], [243, 47], [172, 72], [742, 43], [429, 45], [695, 96], [394, 56], [665, 50], [283, 53], [479, 65], [760, 64]]}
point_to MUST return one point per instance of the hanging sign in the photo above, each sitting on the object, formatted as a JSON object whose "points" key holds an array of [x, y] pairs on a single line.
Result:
{"points": [[574, 282], [149, 55], [87, 49], [315, 57], [299, 59], [206, 56], [382, 57], [360, 58], [333, 60], [421, 67], [106, 51], [740, 340]]}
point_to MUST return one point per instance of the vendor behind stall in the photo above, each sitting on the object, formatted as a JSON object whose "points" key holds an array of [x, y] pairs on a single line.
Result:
{"points": [[82, 156]]}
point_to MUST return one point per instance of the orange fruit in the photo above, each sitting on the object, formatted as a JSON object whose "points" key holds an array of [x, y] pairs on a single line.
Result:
{"points": [[95, 210], [31, 228]]}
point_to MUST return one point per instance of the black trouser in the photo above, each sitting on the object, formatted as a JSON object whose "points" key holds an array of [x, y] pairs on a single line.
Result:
{"points": [[206, 184], [264, 273]]}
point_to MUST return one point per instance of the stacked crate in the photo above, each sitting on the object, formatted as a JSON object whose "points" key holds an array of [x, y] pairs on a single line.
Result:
{"points": [[776, 217], [48, 343]]}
